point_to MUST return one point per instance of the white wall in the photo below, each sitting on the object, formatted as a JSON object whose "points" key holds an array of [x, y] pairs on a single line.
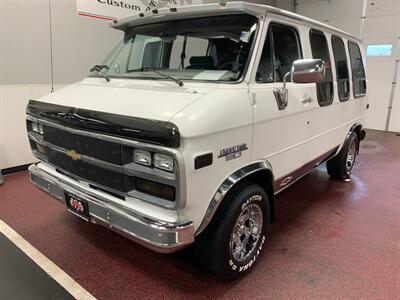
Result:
{"points": [[284, 4], [382, 26], [25, 68]]}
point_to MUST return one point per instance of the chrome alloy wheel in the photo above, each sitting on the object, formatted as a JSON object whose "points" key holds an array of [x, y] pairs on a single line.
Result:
{"points": [[246, 232], [351, 156]]}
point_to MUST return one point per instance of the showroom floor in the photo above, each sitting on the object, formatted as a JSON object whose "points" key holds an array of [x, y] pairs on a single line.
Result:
{"points": [[331, 240]]}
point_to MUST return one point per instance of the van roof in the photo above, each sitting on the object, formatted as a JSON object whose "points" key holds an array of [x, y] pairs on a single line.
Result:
{"points": [[189, 11]]}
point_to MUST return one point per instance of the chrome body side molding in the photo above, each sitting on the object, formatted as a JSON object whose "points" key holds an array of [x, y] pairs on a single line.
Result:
{"points": [[226, 186], [284, 182]]}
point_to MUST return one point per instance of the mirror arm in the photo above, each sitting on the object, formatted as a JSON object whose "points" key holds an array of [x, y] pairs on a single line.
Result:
{"points": [[285, 79]]}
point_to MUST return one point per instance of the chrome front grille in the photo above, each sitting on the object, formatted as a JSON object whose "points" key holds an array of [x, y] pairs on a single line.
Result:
{"points": [[90, 172], [94, 147], [105, 162]]}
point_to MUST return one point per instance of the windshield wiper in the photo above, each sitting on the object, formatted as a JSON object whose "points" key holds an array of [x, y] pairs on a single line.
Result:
{"points": [[148, 69], [99, 69]]}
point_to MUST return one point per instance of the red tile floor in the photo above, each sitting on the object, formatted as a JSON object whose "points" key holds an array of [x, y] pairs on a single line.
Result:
{"points": [[331, 240]]}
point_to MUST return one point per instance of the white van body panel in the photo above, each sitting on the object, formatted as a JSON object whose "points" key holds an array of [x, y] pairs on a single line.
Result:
{"points": [[156, 100], [303, 131], [222, 119]]}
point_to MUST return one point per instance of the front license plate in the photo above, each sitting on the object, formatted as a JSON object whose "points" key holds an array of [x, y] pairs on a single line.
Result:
{"points": [[77, 206]]}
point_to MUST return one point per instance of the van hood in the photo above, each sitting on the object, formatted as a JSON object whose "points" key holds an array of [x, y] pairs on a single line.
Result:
{"points": [[155, 100]]}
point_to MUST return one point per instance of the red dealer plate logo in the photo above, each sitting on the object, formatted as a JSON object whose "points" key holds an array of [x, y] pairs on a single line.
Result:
{"points": [[77, 206]]}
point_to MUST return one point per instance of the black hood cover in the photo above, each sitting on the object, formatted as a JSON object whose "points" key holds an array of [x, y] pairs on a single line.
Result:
{"points": [[139, 129]]}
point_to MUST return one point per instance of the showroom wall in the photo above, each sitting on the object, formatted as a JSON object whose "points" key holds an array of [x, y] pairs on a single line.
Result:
{"points": [[381, 26], [25, 61], [284, 4]]}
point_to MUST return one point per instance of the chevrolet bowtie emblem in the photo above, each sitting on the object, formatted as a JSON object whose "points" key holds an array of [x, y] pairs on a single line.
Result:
{"points": [[74, 155]]}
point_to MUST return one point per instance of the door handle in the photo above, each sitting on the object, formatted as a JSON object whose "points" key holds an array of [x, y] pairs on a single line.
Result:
{"points": [[307, 100]]}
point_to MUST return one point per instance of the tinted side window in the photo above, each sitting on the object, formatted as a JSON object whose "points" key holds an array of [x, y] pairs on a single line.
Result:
{"points": [[319, 49], [281, 49], [342, 71], [357, 70], [286, 49], [265, 71]]}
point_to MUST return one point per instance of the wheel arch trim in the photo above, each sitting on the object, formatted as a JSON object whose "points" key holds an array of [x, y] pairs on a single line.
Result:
{"points": [[352, 129], [228, 184]]}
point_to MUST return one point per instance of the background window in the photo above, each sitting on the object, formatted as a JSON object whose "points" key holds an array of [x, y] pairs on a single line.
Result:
{"points": [[151, 54], [319, 48], [142, 52], [281, 49], [342, 71], [357, 70], [379, 50]]}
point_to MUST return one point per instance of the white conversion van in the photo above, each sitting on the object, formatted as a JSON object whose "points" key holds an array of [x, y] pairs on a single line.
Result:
{"points": [[195, 121]]}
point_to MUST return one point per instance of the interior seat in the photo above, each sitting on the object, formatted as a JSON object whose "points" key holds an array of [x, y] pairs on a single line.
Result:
{"points": [[202, 63]]}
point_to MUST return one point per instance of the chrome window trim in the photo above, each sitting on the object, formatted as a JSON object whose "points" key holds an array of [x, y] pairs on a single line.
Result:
{"points": [[226, 186], [179, 184]]}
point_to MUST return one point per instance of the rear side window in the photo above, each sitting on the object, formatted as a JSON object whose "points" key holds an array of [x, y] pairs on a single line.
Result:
{"points": [[320, 50], [152, 50], [357, 70], [281, 49], [342, 71]]}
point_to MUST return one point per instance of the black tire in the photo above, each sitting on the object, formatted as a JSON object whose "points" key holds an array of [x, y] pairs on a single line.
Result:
{"points": [[214, 247], [339, 167]]}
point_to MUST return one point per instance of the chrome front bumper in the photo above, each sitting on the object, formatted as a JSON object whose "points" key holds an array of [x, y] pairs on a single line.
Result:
{"points": [[154, 234]]}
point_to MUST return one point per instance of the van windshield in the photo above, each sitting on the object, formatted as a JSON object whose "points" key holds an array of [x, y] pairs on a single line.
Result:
{"points": [[211, 48]]}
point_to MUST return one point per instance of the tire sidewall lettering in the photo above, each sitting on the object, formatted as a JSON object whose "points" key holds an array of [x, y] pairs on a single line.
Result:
{"points": [[254, 198], [241, 268]]}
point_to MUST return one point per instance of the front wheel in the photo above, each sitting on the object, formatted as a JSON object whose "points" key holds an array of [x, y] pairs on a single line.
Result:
{"points": [[341, 166], [232, 243]]}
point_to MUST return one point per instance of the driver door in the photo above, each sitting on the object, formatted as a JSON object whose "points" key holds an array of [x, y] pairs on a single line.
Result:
{"points": [[280, 136]]}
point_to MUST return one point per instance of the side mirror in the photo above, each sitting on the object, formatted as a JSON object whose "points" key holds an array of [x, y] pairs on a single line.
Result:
{"points": [[308, 71], [303, 71]]}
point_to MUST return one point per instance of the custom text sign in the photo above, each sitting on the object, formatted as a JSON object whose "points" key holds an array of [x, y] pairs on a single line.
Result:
{"points": [[115, 9]]}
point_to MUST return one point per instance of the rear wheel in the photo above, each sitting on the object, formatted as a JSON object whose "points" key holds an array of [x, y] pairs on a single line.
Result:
{"points": [[232, 243], [341, 166]]}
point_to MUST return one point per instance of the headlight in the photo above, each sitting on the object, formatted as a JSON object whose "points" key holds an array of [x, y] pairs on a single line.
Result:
{"points": [[163, 162], [36, 127], [142, 157]]}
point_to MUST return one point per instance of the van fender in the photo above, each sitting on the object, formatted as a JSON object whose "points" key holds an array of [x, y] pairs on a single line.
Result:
{"points": [[228, 184]]}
